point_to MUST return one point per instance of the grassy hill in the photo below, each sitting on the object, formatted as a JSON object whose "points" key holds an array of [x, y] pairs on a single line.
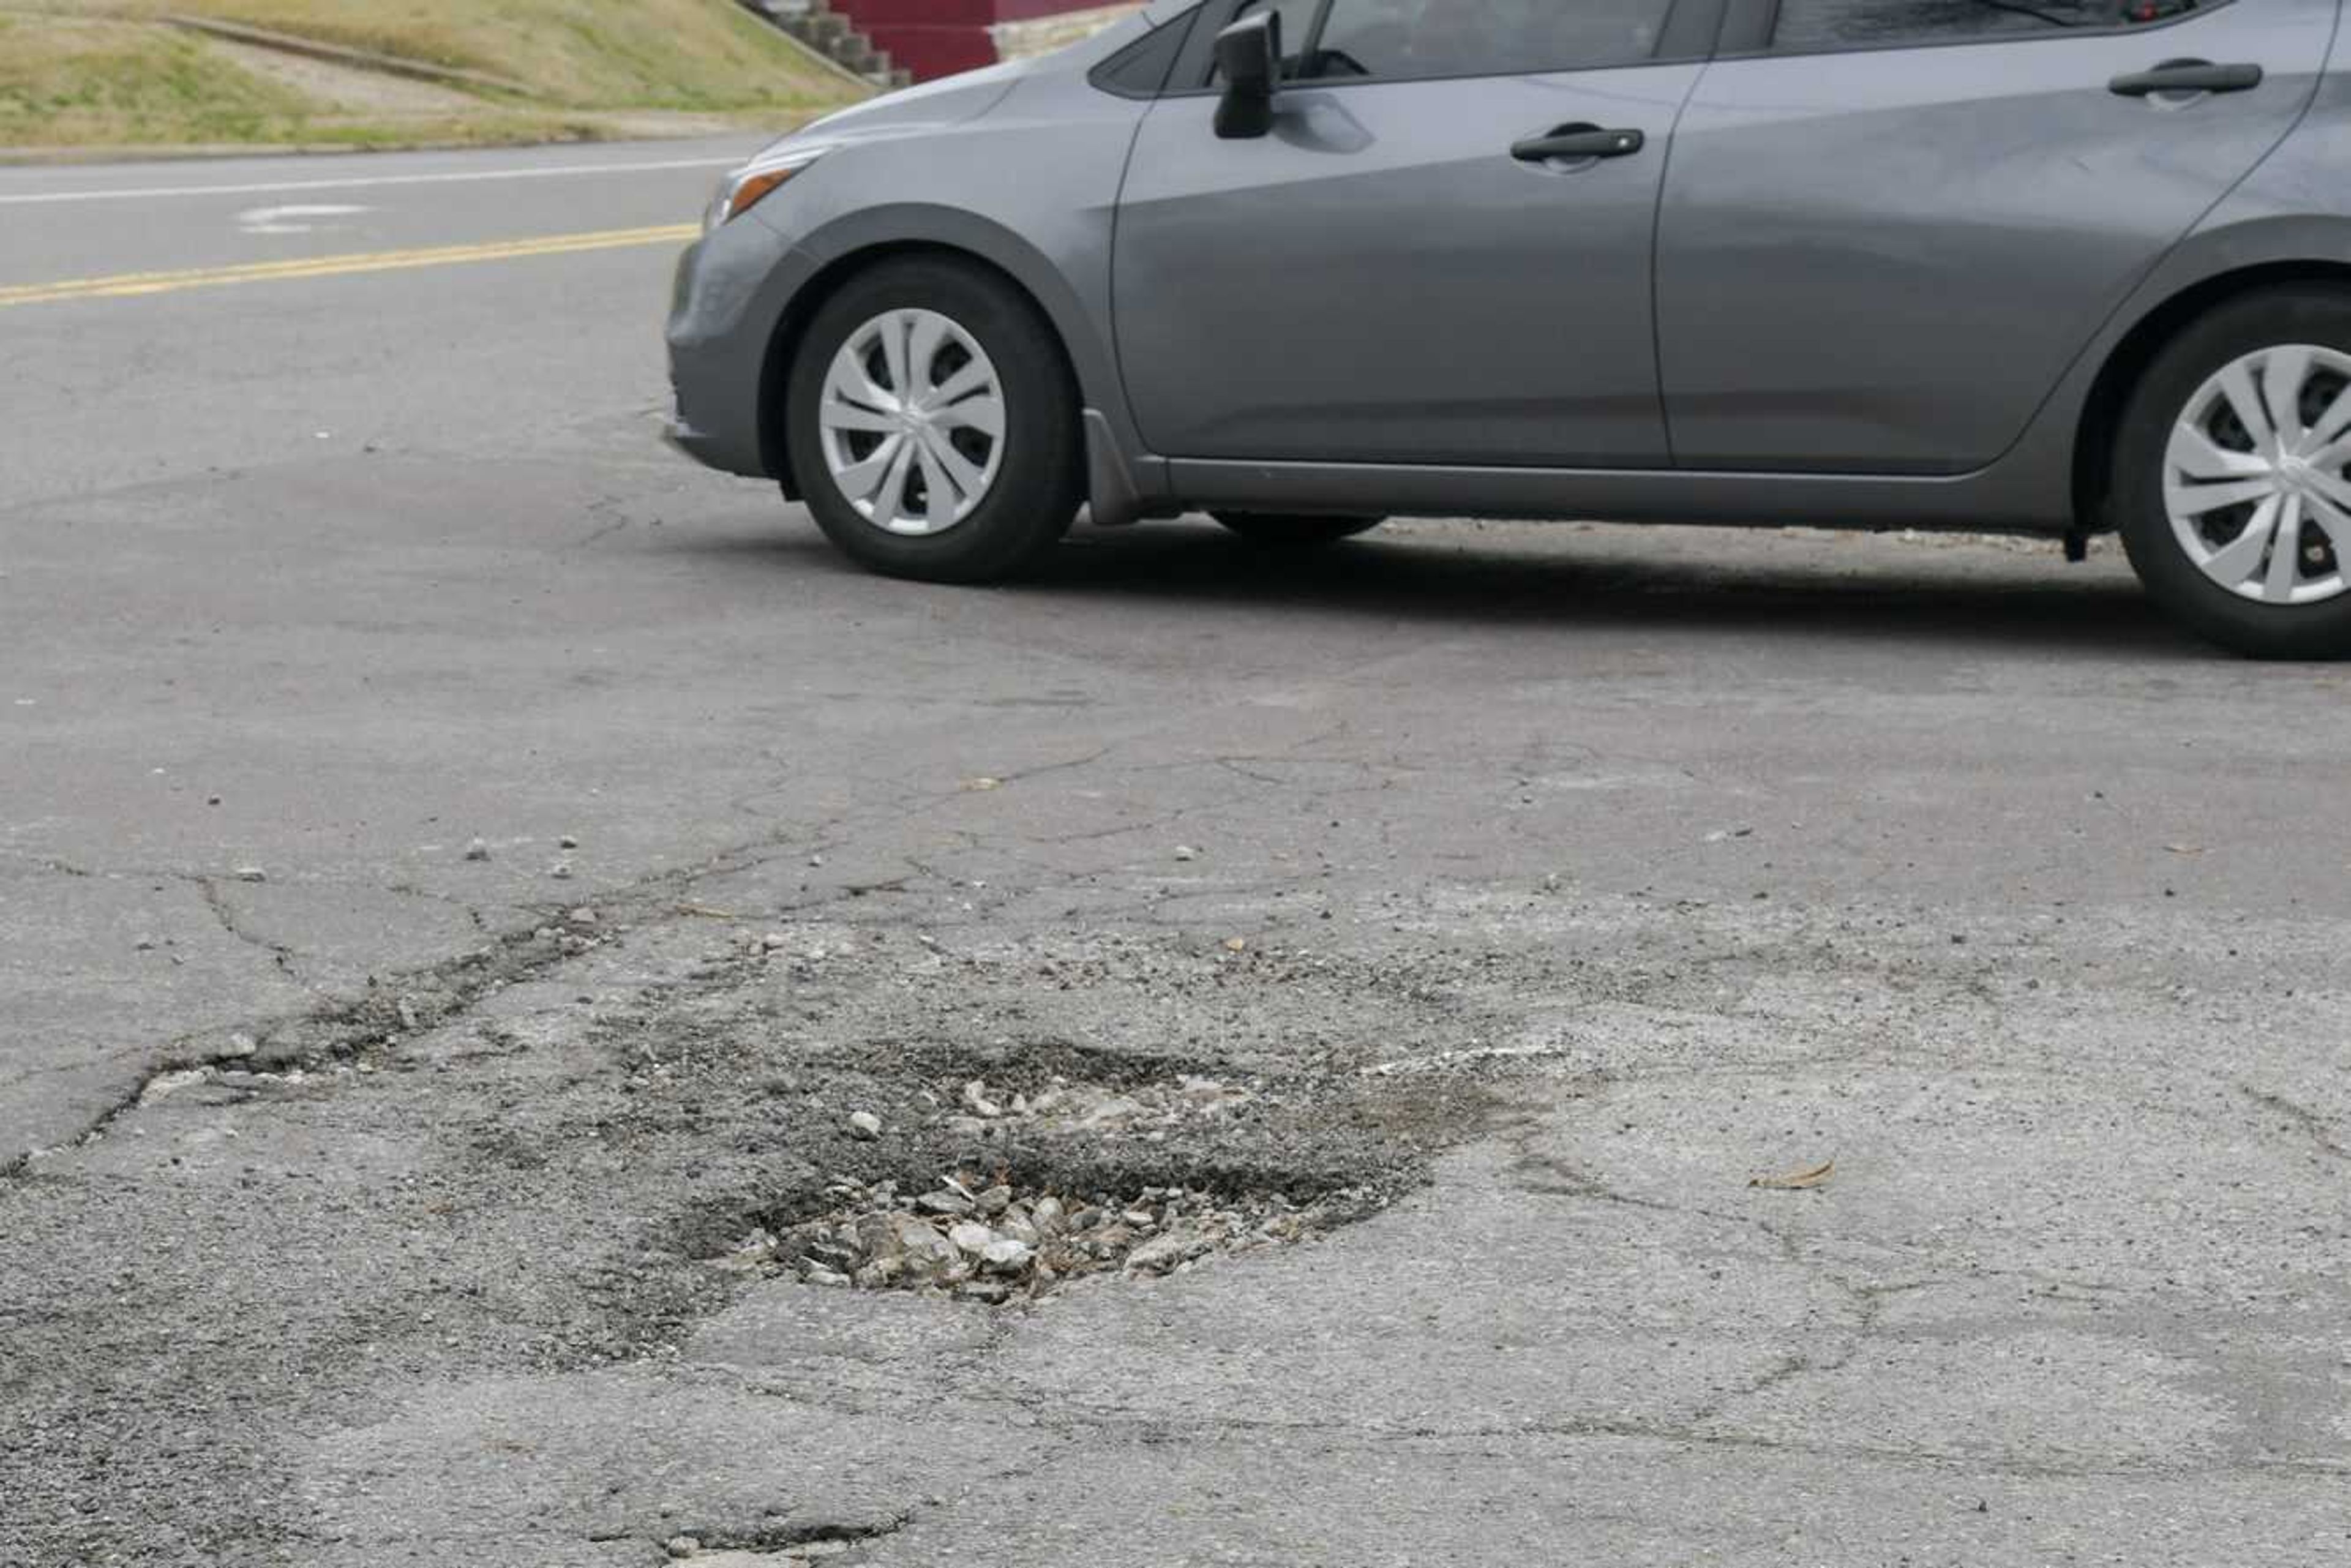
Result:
{"points": [[84, 73]]}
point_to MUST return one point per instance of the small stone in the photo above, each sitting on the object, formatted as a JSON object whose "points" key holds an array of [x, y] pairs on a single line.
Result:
{"points": [[1006, 1255], [942, 1203], [774, 941], [144, 945], [1186, 853], [478, 850], [877, 1235], [566, 842], [1162, 1253], [1117, 1108], [250, 874], [923, 1251], [1047, 1214], [1141, 1218], [1018, 1227], [972, 1237], [994, 1292], [974, 1094], [561, 870], [680, 1546], [212, 799], [1235, 943], [995, 1200], [1202, 1088], [241, 1045], [864, 1126], [823, 1276], [583, 915]]}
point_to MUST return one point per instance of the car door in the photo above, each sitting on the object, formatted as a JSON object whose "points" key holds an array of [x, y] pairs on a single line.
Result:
{"points": [[1381, 279], [1890, 224]]}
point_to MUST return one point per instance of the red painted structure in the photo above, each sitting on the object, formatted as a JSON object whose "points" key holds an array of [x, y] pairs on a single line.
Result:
{"points": [[939, 38]]}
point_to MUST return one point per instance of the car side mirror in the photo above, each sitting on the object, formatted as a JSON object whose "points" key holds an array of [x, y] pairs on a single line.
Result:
{"points": [[1248, 59]]}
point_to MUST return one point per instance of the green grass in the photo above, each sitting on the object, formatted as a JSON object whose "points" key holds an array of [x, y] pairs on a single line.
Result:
{"points": [[582, 54], [108, 73], [66, 82]]}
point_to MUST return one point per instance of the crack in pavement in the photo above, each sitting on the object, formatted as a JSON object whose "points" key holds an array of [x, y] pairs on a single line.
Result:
{"points": [[2304, 1119], [208, 888], [1105, 1423]]}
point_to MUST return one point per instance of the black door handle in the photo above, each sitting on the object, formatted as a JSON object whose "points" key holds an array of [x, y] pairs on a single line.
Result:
{"points": [[1570, 141], [2187, 76]]}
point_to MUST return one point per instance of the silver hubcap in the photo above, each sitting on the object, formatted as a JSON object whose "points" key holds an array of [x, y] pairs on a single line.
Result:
{"points": [[2254, 477], [912, 420]]}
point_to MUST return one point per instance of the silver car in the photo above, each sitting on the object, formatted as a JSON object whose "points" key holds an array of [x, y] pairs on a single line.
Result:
{"points": [[2028, 266]]}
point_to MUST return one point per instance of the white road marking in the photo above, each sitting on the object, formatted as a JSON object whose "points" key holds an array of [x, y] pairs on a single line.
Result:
{"points": [[151, 193], [292, 220]]}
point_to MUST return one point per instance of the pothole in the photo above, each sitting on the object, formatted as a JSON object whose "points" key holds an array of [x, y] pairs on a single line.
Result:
{"points": [[950, 1125], [1052, 1178]]}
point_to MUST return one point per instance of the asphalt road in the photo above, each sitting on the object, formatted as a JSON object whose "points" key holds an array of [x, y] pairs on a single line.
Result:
{"points": [[369, 1201]]}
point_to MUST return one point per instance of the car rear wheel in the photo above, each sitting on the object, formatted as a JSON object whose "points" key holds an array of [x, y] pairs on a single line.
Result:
{"points": [[2233, 476], [1285, 532], [932, 424]]}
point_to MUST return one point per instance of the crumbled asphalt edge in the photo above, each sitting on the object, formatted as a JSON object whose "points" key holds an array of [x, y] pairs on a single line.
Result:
{"points": [[432, 996], [784, 1539], [403, 1002], [339, 1028]]}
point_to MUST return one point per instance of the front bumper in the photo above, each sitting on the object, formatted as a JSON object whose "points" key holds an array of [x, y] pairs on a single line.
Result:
{"points": [[704, 447], [731, 289]]}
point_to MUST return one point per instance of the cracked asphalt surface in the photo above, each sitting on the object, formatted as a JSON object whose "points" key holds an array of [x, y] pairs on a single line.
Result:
{"points": [[1547, 884]]}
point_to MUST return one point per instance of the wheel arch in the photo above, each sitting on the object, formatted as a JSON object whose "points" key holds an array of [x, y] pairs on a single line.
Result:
{"points": [[849, 249], [2100, 420]]}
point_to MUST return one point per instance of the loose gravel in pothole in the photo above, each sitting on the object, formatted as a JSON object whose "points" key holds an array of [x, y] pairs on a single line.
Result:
{"points": [[992, 1241], [983, 1234]]}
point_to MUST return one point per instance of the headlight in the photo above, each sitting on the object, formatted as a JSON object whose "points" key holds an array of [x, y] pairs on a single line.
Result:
{"points": [[739, 192]]}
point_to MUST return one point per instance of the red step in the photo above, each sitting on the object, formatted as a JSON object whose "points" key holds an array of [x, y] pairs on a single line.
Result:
{"points": [[932, 52], [933, 39]]}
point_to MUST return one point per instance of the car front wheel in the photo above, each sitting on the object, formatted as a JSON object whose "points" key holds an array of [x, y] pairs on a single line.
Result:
{"points": [[932, 424], [2233, 476]]}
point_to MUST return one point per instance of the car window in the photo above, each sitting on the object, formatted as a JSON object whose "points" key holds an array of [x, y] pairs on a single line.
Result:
{"points": [[1391, 39], [1813, 27]]}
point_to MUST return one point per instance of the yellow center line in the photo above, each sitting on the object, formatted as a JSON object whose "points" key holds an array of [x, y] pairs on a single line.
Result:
{"points": [[128, 284]]}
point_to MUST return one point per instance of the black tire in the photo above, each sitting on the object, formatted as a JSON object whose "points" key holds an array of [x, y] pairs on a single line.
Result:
{"points": [[1039, 481], [1277, 531], [2310, 313]]}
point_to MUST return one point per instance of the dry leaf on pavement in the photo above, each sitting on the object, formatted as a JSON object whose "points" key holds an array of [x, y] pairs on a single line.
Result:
{"points": [[1810, 1176]]}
